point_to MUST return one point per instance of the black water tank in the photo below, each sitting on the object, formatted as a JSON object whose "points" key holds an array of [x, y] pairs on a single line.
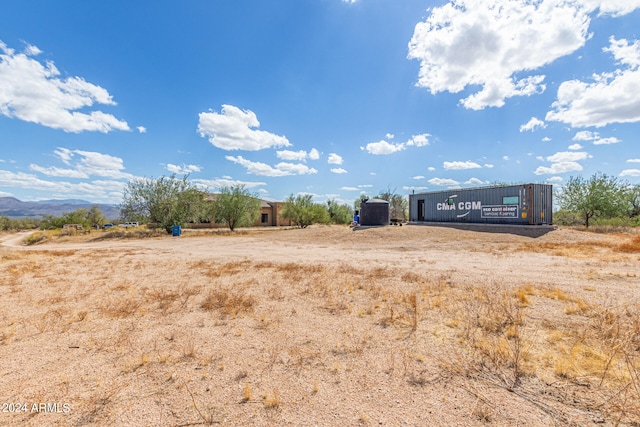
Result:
{"points": [[374, 212]]}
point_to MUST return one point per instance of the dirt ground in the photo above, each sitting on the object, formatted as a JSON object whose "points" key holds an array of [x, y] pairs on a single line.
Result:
{"points": [[323, 326]]}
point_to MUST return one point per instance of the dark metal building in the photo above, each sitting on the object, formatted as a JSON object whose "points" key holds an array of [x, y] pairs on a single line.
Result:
{"points": [[374, 212], [527, 204]]}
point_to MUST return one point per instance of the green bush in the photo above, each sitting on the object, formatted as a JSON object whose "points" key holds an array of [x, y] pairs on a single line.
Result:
{"points": [[303, 212], [564, 217], [36, 238]]}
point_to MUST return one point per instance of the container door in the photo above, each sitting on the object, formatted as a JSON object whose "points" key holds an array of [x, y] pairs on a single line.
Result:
{"points": [[420, 210], [531, 205]]}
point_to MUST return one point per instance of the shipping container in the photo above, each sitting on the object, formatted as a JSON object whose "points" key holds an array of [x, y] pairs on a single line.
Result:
{"points": [[526, 204], [374, 212]]}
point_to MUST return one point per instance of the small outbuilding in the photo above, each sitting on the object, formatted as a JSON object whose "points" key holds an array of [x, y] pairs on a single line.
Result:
{"points": [[374, 212]]}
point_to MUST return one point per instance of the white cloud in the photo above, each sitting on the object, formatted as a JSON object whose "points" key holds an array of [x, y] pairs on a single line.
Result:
{"points": [[182, 170], [58, 172], [488, 165], [365, 186], [99, 164], [506, 158], [575, 147], [563, 162], [349, 188], [431, 168], [612, 7], [389, 136], [263, 169], [300, 155], [568, 156], [314, 154], [64, 154], [31, 50], [30, 181], [142, 129], [532, 124], [226, 182], [633, 161], [292, 155], [611, 98], [630, 172], [606, 141], [625, 52], [334, 159], [34, 92], [234, 129], [418, 177], [418, 140], [106, 191], [586, 135], [546, 139], [475, 181], [383, 147], [84, 164], [467, 43], [338, 170], [295, 168], [461, 165], [413, 188], [443, 182], [557, 168], [256, 168], [555, 179]]}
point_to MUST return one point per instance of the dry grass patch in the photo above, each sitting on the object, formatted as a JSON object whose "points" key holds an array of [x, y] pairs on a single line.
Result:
{"points": [[311, 336], [585, 249], [122, 307], [229, 303], [571, 249], [212, 269], [632, 246]]}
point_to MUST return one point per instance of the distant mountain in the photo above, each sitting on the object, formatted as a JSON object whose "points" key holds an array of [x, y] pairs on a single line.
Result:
{"points": [[14, 208], [66, 202]]}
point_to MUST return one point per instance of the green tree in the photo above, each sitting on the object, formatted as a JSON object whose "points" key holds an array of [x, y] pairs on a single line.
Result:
{"points": [[303, 212], [634, 200], [5, 223], [79, 216], [398, 204], [95, 217], [50, 222], [165, 201], [339, 214], [236, 206], [601, 196]]}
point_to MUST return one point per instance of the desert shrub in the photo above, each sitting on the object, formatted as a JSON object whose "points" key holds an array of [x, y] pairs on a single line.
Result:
{"points": [[228, 303], [564, 217], [136, 233], [36, 238], [302, 211]]}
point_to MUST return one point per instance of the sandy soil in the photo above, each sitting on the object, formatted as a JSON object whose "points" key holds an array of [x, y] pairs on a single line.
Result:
{"points": [[322, 326]]}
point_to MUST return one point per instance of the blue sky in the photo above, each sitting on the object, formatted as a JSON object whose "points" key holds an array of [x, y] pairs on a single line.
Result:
{"points": [[332, 98]]}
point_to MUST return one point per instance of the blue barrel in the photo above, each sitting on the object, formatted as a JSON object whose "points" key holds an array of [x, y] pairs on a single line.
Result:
{"points": [[176, 230]]}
